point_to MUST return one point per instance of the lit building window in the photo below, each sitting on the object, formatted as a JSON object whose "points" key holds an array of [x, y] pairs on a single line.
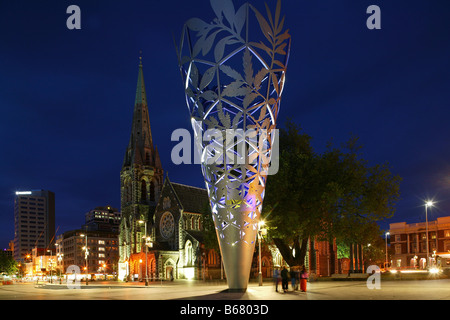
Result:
{"points": [[188, 253]]}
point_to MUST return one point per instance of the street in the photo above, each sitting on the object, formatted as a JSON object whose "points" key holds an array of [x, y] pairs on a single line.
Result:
{"points": [[198, 290]]}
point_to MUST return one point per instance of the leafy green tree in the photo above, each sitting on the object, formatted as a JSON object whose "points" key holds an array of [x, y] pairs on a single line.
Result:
{"points": [[334, 195], [373, 245], [8, 265]]}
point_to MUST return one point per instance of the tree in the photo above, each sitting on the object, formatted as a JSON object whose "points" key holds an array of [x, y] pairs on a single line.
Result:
{"points": [[8, 264], [373, 245], [334, 195]]}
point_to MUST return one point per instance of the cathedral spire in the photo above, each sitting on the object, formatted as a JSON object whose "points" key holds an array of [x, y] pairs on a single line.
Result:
{"points": [[140, 149], [141, 177], [141, 96]]}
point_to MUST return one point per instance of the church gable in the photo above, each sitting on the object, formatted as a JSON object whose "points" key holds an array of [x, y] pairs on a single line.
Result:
{"points": [[192, 199], [167, 217]]}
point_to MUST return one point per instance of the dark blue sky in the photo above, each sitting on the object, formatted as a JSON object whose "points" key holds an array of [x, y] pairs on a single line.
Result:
{"points": [[66, 96]]}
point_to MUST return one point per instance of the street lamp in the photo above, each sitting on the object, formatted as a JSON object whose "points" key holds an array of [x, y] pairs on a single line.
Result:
{"points": [[103, 267], [261, 232], [386, 263], [59, 259], [127, 272], [86, 253], [61, 267], [51, 264], [146, 251], [427, 204]]}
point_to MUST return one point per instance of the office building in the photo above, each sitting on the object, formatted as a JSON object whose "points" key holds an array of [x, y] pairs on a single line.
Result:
{"points": [[103, 218], [102, 251], [34, 221], [100, 233]]}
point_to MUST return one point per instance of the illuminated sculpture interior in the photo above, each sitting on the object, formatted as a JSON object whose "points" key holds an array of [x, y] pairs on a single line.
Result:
{"points": [[234, 72]]}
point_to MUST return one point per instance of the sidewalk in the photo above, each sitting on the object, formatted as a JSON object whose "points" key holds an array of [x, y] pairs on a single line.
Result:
{"points": [[185, 290], [188, 290]]}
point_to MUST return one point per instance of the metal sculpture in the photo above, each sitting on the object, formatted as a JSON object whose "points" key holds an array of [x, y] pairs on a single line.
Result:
{"points": [[233, 115]]}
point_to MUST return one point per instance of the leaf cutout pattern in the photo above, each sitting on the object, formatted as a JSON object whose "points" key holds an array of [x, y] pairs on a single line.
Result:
{"points": [[231, 72], [234, 78], [207, 77]]}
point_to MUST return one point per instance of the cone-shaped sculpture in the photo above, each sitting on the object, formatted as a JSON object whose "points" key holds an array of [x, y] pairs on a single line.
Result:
{"points": [[233, 71]]}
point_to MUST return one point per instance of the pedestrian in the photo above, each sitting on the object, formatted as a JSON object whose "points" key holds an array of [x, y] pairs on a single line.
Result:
{"points": [[292, 274], [284, 279], [276, 278], [303, 278]]}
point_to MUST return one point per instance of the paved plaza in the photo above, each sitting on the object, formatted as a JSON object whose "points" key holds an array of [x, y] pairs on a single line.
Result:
{"points": [[198, 290]]}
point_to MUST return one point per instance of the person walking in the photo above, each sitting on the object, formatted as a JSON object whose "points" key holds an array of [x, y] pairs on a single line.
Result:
{"points": [[276, 278], [292, 274], [303, 278], [284, 279]]}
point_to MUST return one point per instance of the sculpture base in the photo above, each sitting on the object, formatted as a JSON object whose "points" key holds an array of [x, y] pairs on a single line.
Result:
{"points": [[236, 290], [237, 260]]}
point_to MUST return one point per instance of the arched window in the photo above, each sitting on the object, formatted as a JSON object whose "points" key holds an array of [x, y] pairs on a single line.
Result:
{"points": [[125, 191], [129, 191], [188, 253], [143, 190], [278, 259], [212, 257], [265, 262], [152, 191]]}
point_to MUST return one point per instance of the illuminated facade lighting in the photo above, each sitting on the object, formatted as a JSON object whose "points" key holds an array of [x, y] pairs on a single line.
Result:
{"points": [[21, 193]]}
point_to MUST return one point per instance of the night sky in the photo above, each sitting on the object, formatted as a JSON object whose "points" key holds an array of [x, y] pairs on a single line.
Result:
{"points": [[67, 96]]}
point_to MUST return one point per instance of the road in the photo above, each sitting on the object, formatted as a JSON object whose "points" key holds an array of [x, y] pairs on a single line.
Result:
{"points": [[197, 290]]}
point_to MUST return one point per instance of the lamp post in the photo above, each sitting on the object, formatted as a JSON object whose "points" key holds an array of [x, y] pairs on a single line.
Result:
{"points": [[86, 253], [51, 264], [104, 270], [60, 259], [386, 263], [427, 204], [261, 232], [146, 251], [127, 271]]}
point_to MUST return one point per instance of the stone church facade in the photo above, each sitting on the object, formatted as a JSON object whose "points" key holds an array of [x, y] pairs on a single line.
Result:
{"points": [[161, 232], [141, 180]]}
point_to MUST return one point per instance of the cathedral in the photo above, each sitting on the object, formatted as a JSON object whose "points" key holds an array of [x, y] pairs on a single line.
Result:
{"points": [[161, 231], [141, 180]]}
